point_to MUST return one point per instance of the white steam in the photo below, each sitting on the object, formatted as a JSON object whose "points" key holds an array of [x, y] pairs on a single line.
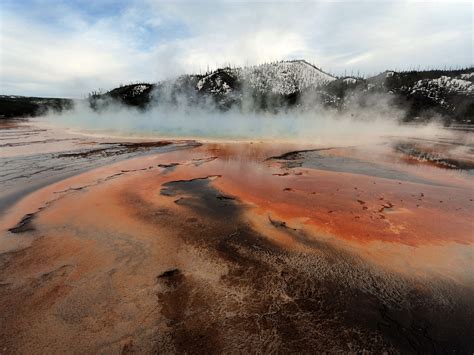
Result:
{"points": [[309, 122]]}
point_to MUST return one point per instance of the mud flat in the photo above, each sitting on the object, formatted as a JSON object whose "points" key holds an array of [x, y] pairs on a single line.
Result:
{"points": [[239, 247]]}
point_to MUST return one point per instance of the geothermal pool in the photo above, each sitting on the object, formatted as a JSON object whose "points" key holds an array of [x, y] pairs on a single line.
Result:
{"points": [[118, 245]]}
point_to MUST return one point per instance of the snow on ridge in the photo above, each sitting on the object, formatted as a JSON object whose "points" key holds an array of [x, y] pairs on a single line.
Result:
{"points": [[139, 89], [466, 76], [215, 82], [438, 89], [449, 84], [349, 80], [284, 77]]}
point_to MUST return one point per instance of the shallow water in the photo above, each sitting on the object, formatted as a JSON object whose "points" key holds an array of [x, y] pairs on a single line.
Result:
{"points": [[249, 247]]}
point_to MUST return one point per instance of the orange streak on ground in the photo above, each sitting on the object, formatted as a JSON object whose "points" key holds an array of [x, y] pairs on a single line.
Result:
{"points": [[341, 206], [330, 201], [346, 205]]}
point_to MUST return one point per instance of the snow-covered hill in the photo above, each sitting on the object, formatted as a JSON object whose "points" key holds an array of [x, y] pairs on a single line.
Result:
{"points": [[449, 94], [285, 77], [279, 85], [282, 78], [434, 87]]}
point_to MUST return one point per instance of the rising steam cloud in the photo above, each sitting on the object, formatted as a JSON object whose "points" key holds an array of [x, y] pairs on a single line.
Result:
{"points": [[307, 122]]}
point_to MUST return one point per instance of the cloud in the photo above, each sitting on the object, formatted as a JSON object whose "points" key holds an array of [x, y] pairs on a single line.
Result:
{"points": [[68, 48]]}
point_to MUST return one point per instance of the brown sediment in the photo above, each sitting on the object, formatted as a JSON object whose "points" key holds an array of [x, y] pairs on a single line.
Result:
{"points": [[25, 225], [444, 155], [115, 149], [10, 124], [247, 261], [85, 154], [140, 145]]}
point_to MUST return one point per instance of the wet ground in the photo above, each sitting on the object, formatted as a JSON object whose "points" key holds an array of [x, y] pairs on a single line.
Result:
{"points": [[32, 157], [178, 246]]}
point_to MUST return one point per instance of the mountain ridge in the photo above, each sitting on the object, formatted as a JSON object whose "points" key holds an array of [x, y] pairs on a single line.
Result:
{"points": [[283, 85], [448, 94]]}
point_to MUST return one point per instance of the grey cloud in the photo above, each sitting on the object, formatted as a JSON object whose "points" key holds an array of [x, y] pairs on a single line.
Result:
{"points": [[365, 36]]}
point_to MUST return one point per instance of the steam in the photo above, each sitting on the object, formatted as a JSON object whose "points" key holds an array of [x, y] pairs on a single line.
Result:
{"points": [[308, 122]]}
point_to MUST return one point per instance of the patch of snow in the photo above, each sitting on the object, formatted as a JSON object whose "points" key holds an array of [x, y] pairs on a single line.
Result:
{"points": [[350, 80], [216, 84], [467, 75], [139, 89], [446, 83], [438, 89]]}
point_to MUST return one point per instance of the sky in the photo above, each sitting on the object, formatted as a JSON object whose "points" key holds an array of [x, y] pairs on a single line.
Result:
{"points": [[68, 48]]}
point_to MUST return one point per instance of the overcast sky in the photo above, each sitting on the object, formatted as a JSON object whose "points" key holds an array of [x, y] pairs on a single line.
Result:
{"points": [[68, 48]]}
